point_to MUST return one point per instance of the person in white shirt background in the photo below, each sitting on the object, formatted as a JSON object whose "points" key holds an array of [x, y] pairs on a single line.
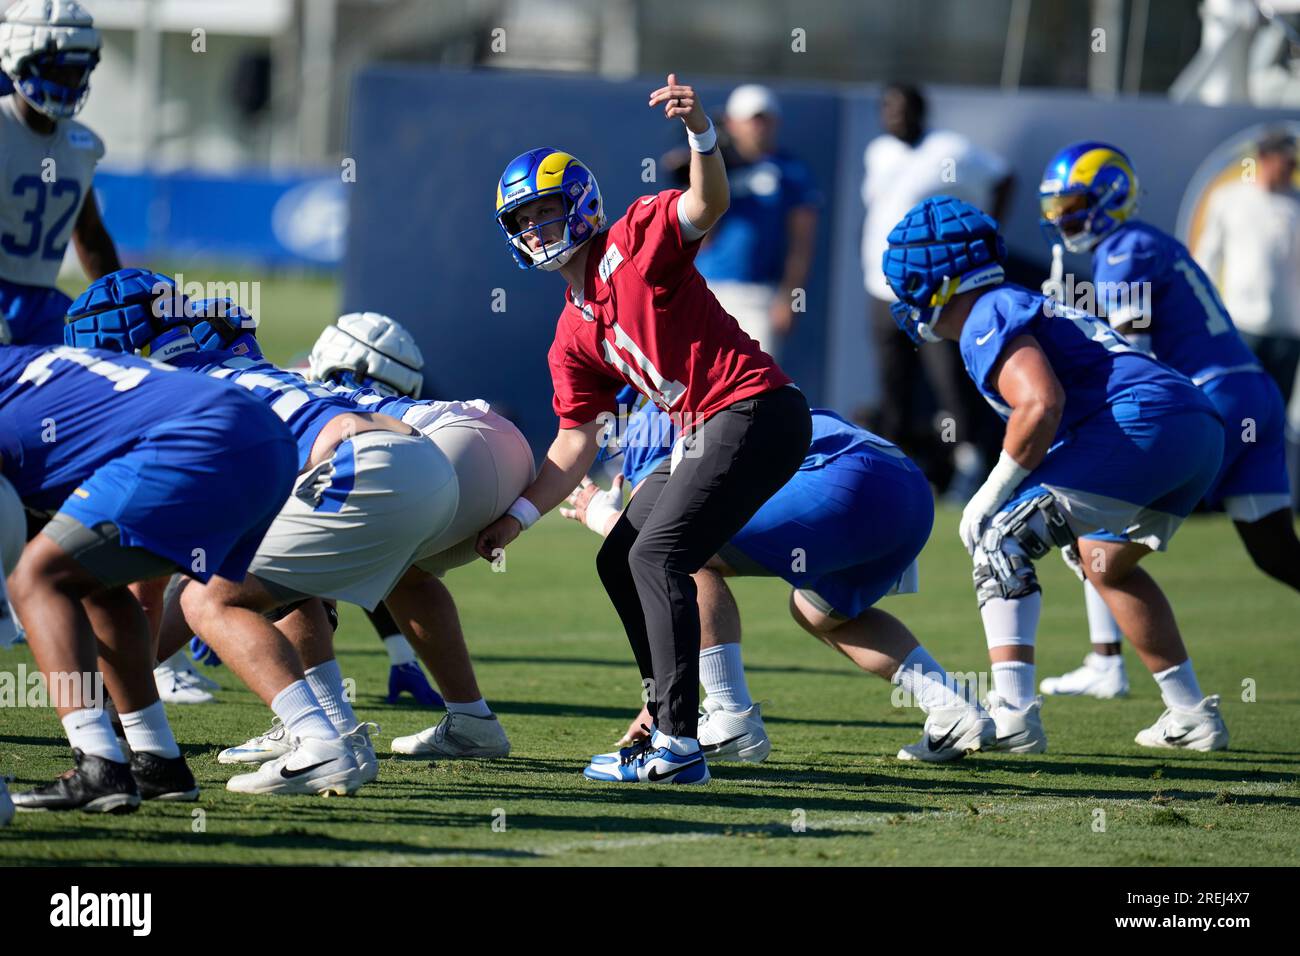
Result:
{"points": [[1250, 247], [905, 165]]}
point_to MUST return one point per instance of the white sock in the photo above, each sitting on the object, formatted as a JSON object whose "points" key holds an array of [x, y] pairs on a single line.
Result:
{"points": [[1102, 627], [926, 682], [91, 732], [1178, 686], [301, 713], [1011, 620], [722, 672], [326, 682], [399, 649], [475, 708], [1014, 682], [147, 731]]}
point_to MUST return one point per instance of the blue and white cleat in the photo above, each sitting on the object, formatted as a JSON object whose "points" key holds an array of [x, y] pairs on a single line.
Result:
{"points": [[661, 759], [409, 678]]}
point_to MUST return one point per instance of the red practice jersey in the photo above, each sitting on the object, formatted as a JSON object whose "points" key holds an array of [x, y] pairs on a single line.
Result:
{"points": [[648, 320]]}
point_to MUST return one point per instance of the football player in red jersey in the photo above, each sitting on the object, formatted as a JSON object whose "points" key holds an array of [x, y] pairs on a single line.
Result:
{"points": [[638, 312]]}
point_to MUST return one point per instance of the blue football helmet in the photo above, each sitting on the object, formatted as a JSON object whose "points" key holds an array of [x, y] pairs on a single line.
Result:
{"points": [[549, 172], [1088, 190], [221, 324], [134, 311], [941, 247], [48, 49]]}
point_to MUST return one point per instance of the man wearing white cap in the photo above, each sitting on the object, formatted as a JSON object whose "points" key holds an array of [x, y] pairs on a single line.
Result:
{"points": [[758, 256]]}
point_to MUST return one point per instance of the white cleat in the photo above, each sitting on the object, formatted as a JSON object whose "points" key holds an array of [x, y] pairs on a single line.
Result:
{"points": [[6, 804], [951, 733], [457, 735], [1095, 678], [363, 749], [1201, 728], [312, 766], [180, 686], [1018, 731], [733, 734], [268, 746]]}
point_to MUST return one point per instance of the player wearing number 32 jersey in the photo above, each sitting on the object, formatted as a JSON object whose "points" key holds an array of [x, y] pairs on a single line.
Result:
{"points": [[48, 49], [637, 312]]}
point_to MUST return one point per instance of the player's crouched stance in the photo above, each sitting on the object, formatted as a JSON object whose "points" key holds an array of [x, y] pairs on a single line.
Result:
{"points": [[854, 518], [369, 493], [152, 472], [1106, 452]]}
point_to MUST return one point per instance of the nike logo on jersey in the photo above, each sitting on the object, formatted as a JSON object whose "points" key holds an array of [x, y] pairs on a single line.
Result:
{"points": [[288, 774], [1116, 260], [985, 337], [648, 200], [655, 776]]}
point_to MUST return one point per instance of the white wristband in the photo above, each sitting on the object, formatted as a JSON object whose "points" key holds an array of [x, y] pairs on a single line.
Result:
{"points": [[525, 512], [598, 511], [1004, 477], [705, 142]]}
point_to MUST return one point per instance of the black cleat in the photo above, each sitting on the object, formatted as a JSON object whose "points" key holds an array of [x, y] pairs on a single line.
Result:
{"points": [[95, 785], [163, 778]]}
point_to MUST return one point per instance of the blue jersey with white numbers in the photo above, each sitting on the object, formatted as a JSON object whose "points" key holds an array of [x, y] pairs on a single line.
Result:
{"points": [[1095, 365], [65, 412], [1140, 272], [306, 407]]}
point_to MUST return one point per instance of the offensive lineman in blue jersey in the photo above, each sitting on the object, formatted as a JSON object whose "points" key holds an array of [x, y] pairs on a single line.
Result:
{"points": [[1089, 196], [135, 471], [1099, 436], [370, 497], [845, 531], [492, 464]]}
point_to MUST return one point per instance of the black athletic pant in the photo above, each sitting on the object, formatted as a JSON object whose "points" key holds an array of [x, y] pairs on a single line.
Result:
{"points": [[382, 621], [737, 459]]}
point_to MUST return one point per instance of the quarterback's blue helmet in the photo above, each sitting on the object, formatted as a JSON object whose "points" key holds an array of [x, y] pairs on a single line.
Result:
{"points": [[1088, 190], [549, 172], [941, 247], [221, 324], [134, 311]]}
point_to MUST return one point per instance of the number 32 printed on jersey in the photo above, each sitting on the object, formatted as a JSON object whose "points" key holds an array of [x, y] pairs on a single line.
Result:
{"points": [[39, 194]]}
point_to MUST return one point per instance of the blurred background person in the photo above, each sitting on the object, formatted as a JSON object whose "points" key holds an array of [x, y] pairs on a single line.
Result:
{"points": [[1250, 246], [761, 250], [906, 164]]}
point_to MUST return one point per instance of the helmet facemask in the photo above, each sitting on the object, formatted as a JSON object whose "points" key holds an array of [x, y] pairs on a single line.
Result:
{"points": [[43, 91]]}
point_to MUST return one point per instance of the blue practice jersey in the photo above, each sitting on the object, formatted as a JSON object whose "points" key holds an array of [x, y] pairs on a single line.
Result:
{"points": [[749, 243], [306, 407], [1095, 365], [649, 438], [1189, 327], [65, 412]]}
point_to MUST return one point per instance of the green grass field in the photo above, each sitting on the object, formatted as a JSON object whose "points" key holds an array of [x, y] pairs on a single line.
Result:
{"points": [[553, 662]]}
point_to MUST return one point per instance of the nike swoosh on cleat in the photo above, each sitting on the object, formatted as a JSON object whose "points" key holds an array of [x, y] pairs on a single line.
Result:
{"points": [[288, 774], [710, 748], [1174, 740], [656, 776], [935, 745]]}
